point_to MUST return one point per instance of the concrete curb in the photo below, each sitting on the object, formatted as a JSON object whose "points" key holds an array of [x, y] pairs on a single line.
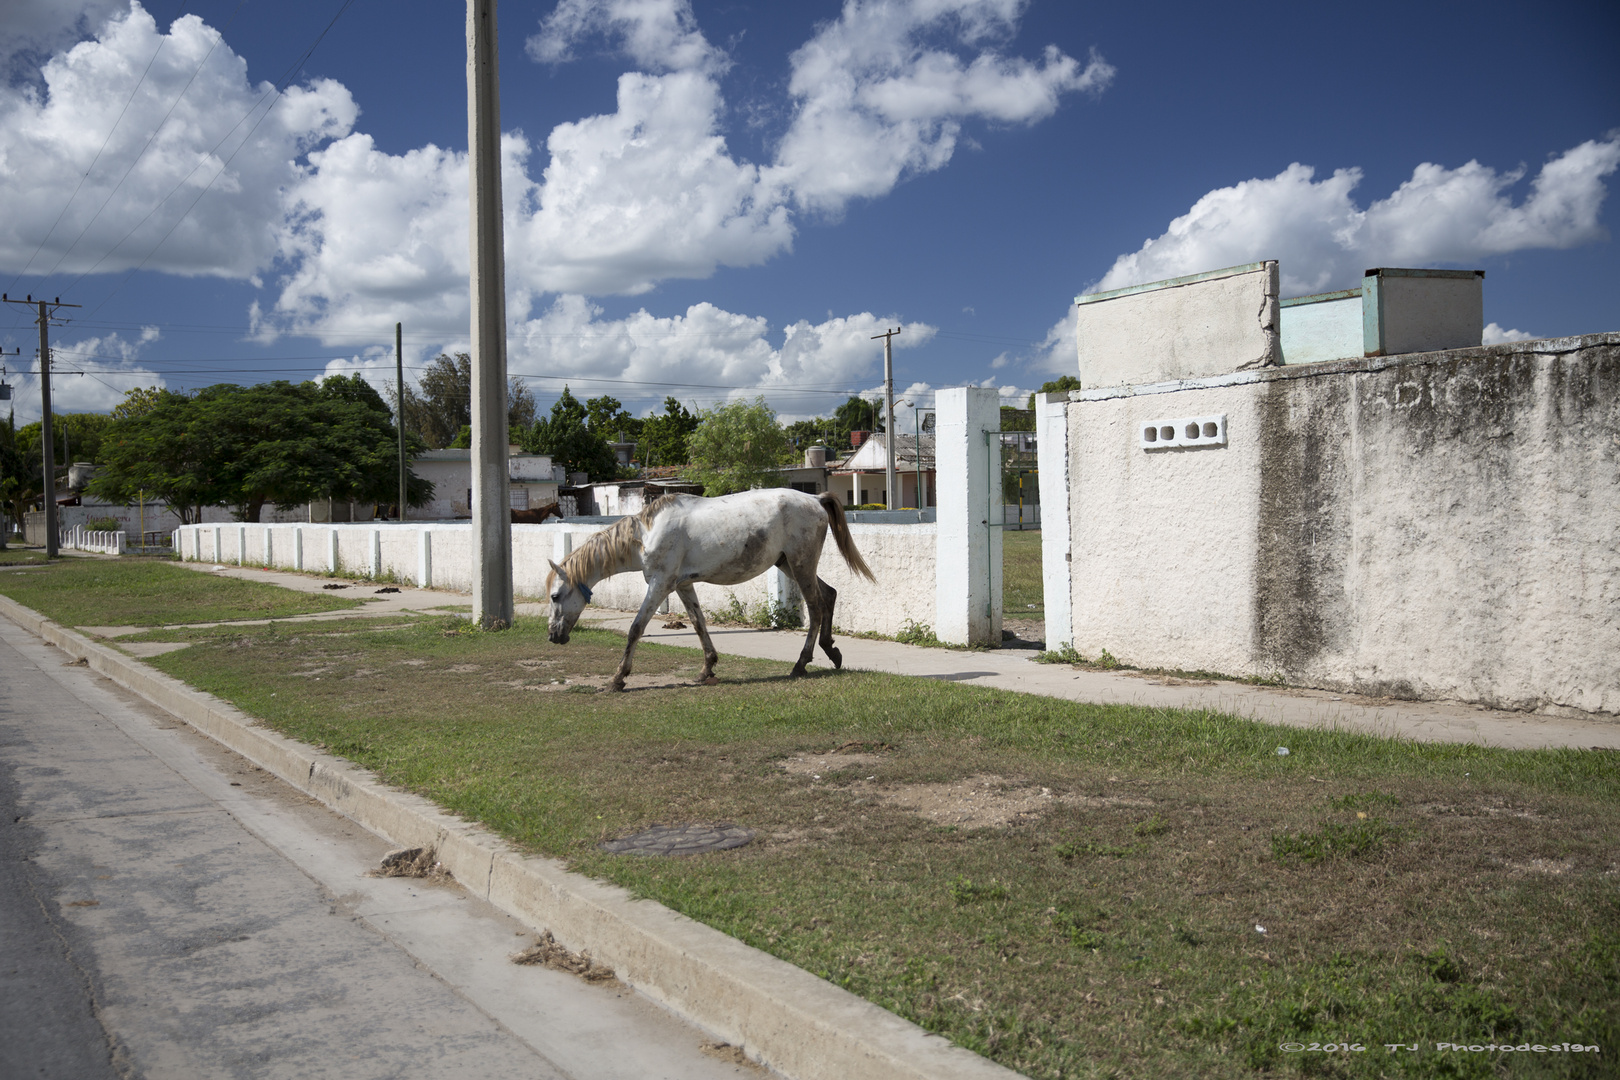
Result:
{"points": [[781, 1015]]}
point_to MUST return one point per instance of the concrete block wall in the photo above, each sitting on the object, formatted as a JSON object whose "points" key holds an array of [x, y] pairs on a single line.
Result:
{"points": [[1435, 525]]}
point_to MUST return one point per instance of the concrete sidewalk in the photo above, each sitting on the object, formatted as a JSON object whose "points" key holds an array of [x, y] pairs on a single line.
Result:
{"points": [[1008, 669]]}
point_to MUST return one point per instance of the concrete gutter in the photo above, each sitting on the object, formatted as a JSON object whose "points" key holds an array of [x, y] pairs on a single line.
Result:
{"points": [[781, 1015]]}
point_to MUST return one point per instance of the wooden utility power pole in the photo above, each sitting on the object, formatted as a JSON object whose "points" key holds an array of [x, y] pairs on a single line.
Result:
{"points": [[46, 309], [399, 409], [891, 497], [492, 515]]}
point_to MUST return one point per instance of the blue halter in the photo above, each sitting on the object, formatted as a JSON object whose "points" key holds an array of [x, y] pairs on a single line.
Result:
{"points": [[584, 590]]}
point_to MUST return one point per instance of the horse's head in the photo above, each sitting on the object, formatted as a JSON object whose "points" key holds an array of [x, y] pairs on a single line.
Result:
{"points": [[568, 599]]}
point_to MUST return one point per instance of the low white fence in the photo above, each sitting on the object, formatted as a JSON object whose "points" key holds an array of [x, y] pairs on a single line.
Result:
{"points": [[80, 538], [943, 573], [440, 556]]}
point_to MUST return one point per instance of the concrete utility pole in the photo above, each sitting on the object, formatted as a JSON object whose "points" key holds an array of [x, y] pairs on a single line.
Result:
{"points": [[47, 437], [891, 497], [399, 409], [492, 517]]}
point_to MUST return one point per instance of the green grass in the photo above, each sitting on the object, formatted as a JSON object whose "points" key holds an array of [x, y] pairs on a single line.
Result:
{"points": [[1022, 594], [147, 592], [1112, 934]]}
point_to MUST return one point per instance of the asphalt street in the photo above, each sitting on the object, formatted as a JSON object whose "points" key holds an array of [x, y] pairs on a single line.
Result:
{"points": [[167, 910]]}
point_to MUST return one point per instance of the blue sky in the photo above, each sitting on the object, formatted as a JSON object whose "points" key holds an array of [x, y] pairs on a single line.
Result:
{"points": [[713, 199]]}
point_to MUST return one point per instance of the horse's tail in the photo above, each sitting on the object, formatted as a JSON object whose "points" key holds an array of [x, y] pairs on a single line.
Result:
{"points": [[840, 531]]}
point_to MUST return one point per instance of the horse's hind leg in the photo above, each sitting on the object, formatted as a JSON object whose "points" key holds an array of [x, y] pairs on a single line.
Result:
{"points": [[829, 600], [810, 588], [689, 600], [656, 592]]}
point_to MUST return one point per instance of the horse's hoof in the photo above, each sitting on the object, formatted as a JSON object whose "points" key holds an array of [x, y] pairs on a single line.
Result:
{"points": [[616, 686], [798, 671], [709, 680], [837, 659]]}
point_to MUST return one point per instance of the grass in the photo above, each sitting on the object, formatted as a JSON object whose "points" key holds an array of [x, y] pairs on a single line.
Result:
{"points": [[148, 592], [1117, 933], [1022, 594]]}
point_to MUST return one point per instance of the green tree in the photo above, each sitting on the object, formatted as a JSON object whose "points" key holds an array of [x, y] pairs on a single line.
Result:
{"points": [[664, 436], [438, 412], [243, 446], [738, 446], [1061, 384], [856, 414], [607, 417], [566, 439]]}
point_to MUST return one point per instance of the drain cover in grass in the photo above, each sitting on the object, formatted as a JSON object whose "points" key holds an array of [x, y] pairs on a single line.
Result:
{"points": [[680, 840]]}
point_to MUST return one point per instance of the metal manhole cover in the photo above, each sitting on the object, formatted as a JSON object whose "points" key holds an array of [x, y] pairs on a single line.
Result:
{"points": [[680, 840]]}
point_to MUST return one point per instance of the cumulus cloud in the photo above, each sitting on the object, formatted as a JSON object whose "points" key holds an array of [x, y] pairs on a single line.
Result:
{"points": [[31, 30], [702, 355], [89, 374], [660, 35], [651, 191], [873, 104], [1325, 240], [1495, 335], [194, 124]]}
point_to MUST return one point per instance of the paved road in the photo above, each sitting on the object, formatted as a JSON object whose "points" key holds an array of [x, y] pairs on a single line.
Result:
{"points": [[158, 920]]}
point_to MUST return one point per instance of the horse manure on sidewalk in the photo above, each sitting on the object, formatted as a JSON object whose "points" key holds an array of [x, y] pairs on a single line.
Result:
{"points": [[546, 952], [413, 863]]}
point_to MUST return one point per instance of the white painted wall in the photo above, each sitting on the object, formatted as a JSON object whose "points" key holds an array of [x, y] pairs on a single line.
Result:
{"points": [[1205, 324], [1434, 527], [1320, 330], [1422, 311], [901, 556]]}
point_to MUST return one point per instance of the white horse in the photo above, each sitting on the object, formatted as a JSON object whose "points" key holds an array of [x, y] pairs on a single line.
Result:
{"points": [[677, 540]]}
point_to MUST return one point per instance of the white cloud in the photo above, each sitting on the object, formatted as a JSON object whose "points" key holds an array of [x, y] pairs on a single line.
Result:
{"points": [[41, 27], [1495, 335], [660, 35], [49, 141], [873, 104], [88, 375], [1324, 239], [703, 355]]}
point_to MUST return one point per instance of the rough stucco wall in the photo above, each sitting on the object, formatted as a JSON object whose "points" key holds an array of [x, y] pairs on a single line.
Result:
{"points": [[1163, 543], [1421, 314], [1443, 527], [1207, 327]]}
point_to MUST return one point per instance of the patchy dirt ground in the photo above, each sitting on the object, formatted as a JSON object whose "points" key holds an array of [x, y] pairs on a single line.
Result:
{"points": [[975, 802]]}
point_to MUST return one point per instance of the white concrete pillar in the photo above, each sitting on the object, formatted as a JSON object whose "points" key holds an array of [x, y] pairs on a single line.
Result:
{"points": [[241, 545], [424, 559], [1057, 553], [782, 590], [967, 574], [269, 548], [218, 554], [375, 568], [332, 549], [119, 540], [196, 542], [298, 549], [562, 546], [175, 540]]}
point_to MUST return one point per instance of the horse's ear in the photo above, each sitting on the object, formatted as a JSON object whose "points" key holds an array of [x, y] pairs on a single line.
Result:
{"points": [[558, 570]]}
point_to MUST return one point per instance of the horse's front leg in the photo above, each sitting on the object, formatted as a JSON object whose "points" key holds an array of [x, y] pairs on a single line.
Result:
{"points": [[689, 599], [656, 592]]}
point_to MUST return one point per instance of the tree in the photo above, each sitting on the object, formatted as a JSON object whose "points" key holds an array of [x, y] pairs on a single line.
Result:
{"points": [[244, 446], [1059, 385], [437, 413], [738, 446], [607, 417], [856, 414], [664, 436], [564, 437]]}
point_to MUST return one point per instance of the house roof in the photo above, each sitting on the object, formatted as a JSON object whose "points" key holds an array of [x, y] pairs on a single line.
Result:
{"points": [[871, 455]]}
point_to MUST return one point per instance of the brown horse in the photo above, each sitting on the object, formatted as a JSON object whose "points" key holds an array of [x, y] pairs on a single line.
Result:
{"points": [[537, 515]]}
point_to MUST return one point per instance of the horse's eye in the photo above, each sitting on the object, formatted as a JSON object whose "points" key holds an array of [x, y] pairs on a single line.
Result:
{"points": [[556, 598]]}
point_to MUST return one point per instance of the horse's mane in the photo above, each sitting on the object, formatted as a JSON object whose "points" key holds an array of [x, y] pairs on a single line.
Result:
{"points": [[609, 549]]}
